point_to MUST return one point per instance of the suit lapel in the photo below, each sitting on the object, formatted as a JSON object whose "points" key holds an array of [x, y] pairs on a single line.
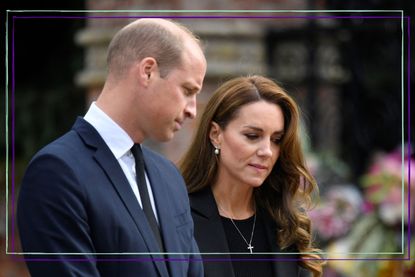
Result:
{"points": [[112, 169], [163, 206], [162, 202]]}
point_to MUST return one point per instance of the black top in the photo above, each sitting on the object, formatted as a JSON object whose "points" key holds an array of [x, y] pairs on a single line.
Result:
{"points": [[247, 265], [212, 240]]}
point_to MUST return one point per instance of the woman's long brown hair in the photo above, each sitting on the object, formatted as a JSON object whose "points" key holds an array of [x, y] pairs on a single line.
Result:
{"points": [[286, 192]]}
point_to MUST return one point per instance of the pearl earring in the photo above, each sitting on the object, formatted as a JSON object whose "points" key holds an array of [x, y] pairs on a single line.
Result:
{"points": [[216, 151]]}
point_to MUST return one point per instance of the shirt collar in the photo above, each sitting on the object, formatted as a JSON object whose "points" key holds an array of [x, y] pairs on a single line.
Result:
{"points": [[118, 141]]}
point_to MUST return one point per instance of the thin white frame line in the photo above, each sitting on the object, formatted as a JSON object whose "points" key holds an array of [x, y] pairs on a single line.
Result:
{"points": [[206, 11]]}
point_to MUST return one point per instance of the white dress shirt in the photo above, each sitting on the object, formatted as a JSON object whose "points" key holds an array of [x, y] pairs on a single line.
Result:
{"points": [[120, 143]]}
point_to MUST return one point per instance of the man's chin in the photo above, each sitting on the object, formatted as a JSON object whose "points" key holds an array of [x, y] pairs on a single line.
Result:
{"points": [[165, 137]]}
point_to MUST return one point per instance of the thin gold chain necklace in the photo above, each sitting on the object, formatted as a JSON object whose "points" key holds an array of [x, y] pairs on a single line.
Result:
{"points": [[250, 247]]}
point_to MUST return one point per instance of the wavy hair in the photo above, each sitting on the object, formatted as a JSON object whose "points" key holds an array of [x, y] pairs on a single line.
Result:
{"points": [[286, 192]]}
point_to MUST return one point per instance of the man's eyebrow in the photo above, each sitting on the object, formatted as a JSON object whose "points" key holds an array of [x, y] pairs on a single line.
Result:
{"points": [[192, 85]]}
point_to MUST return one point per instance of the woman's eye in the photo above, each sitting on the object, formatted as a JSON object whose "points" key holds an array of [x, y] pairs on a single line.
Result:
{"points": [[251, 136], [277, 140]]}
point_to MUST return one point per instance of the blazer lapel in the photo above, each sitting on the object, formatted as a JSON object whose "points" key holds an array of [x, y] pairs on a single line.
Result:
{"points": [[111, 167], [210, 234]]}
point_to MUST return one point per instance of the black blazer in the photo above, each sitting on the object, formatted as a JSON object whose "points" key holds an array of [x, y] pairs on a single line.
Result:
{"points": [[211, 238]]}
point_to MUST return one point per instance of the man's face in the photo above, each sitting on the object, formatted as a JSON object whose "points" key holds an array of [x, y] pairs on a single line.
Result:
{"points": [[173, 97]]}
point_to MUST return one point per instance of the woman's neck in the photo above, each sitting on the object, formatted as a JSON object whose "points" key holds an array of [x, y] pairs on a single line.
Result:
{"points": [[234, 201]]}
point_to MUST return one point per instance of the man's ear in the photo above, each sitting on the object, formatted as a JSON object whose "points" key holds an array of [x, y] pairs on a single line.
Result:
{"points": [[215, 134], [146, 69]]}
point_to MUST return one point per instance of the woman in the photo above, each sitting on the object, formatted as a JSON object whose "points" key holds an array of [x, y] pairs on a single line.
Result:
{"points": [[248, 183]]}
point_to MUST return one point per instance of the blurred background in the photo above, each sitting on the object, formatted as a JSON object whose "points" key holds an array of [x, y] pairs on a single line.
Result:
{"points": [[345, 73]]}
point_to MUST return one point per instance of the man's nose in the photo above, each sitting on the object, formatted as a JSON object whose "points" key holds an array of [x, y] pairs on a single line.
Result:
{"points": [[191, 108]]}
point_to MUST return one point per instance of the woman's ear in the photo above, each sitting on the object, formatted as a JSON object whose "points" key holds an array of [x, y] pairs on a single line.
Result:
{"points": [[215, 134]]}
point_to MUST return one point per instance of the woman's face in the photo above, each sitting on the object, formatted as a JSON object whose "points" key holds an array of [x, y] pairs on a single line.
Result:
{"points": [[249, 144]]}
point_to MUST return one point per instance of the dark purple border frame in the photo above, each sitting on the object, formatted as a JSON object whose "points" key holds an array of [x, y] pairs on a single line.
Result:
{"points": [[203, 17]]}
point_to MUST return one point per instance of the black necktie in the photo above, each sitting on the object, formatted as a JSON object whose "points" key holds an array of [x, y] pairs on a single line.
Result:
{"points": [[142, 188]]}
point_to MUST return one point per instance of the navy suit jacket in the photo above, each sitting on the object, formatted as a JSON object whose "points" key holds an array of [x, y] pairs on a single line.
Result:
{"points": [[75, 198], [211, 238]]}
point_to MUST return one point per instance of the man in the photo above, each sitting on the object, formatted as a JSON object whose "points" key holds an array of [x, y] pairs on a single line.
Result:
{"points": [[81, 197]]}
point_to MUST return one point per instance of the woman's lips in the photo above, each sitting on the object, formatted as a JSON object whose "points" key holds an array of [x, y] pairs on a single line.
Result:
{"points": [[259, 166]]}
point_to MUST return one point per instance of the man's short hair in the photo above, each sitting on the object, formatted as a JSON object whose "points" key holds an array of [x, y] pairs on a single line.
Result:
{"points": [[147, 38]]}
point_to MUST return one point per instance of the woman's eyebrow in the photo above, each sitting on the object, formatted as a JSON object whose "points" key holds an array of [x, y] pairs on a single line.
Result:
{"points": [[279, 132]]}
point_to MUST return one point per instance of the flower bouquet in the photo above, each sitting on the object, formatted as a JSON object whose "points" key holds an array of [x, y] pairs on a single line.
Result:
{"points": [[382, 229]]}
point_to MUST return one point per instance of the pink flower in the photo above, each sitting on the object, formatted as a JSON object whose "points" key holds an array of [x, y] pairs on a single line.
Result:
{"points": [[334, 217], [383, 184]]}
